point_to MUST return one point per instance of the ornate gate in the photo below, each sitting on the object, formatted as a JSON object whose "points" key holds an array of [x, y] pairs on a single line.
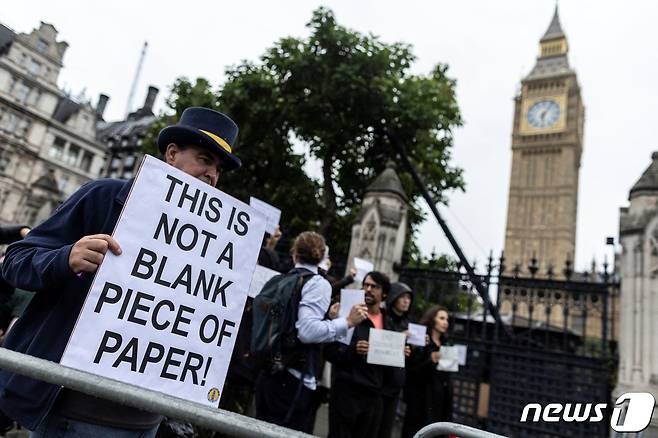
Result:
{"points": [[554, 343]]}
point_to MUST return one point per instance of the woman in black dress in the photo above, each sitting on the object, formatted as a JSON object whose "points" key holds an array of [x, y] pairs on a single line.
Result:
{"points": [[428, 391]]}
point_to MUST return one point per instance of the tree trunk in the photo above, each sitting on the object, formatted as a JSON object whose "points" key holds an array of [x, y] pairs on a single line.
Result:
{"points": [[329, 195]]}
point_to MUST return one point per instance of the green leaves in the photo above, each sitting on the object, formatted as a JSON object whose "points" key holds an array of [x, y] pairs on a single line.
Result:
{"points": [[332, 91]]}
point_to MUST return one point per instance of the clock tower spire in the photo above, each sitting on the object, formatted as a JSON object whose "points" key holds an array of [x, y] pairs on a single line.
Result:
{"points": [[547, 137]]}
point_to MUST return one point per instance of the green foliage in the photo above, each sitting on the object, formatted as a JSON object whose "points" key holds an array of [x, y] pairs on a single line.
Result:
{"points": [[334, 92]]}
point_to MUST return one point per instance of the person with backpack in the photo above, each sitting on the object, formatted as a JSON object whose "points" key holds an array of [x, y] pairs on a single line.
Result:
{"points": [[355, 401], [289, 325], [398, 303]]}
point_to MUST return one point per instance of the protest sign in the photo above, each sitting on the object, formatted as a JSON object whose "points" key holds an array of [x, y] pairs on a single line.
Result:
{"points": [[417, 334], [462, 352], [362, 268], [272, 214], [348, 298], [164, 314], [261, 276], [449, 360], [386, 347]]}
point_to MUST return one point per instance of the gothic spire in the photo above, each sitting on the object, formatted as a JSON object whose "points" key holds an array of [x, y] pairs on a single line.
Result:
{"points": [[555, 28]]}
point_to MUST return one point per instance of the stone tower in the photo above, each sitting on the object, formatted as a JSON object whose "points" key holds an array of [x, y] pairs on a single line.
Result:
{"points": [[547, 143], [638, 269], [379, 232]]}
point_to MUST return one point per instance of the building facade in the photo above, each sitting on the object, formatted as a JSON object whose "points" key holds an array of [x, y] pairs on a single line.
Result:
{"points": [[124, 138], [48, 145], [638, 266], [547, 144]]}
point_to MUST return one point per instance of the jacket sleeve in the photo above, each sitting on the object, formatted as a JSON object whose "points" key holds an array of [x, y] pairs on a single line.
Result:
{"points": [[337, 285], [41, 260], [420, 360], [340, 354]]}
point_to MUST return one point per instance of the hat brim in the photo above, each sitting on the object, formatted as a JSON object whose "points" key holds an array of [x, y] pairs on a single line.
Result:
{"points": [[186, 136]]}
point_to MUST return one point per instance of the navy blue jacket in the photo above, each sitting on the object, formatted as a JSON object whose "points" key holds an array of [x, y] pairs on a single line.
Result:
{"points": [[40, 263]]}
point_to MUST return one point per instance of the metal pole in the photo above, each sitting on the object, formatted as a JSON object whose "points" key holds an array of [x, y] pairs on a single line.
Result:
{"points": [[454, 429], [399, 146], [222, 421]]}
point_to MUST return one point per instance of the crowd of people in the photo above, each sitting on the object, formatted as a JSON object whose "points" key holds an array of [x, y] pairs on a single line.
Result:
{"points": [[283, 381]]}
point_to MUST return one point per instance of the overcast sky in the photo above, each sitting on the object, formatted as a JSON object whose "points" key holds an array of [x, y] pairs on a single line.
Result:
{"points": [[489, 46]]}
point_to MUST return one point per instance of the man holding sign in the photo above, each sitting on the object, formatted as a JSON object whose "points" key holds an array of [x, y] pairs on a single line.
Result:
{"points": [[58, 260], [355, 404]]}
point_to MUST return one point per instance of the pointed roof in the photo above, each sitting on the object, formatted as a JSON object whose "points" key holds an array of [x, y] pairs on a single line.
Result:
{"points": [[388, 181], [555, 28], [648, 182]]}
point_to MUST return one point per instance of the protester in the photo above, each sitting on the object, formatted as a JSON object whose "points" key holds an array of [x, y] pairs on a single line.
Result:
{"points": [[283, 393], [58, 260], [396, 319], [428, 392], [355, 401]]}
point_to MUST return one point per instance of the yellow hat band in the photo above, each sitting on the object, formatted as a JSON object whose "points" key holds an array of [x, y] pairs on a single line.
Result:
{"points": [[220, 141]]}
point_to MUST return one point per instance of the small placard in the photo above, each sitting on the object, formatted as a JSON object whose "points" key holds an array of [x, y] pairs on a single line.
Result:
{"points": [[272, 214], [348, 298], [386, 347], [417, 334]]}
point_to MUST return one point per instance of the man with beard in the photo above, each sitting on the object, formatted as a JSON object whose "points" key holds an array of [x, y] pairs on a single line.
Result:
{"points": [[355, 401]]}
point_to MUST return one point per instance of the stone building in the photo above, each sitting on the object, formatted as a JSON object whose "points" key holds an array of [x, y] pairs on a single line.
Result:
{"points": [[379, 232], [638, 264], [48, 145], [124, 138], [547, 143]]}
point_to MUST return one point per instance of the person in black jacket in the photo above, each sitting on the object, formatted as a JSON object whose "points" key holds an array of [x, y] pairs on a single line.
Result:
{"points": [[355, 401], [427, 391], [396, 319]]}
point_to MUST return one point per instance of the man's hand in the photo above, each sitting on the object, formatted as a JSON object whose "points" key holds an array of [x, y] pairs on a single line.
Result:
{"points": [[88, 253], [358, 313], [362, 347], [407, 351], [352, 272], [24, 232], [435, 356]]}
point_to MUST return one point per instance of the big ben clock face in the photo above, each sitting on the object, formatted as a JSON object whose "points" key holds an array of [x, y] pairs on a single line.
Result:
{"points": [[544, 114]]}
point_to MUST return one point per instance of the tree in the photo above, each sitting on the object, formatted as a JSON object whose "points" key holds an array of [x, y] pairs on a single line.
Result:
{"points": [[335, 92], [271, 171]]}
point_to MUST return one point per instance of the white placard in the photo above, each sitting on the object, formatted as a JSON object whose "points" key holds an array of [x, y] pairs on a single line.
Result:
{"points": [[261, 276], [417, 333], [165, 313], [449, 360], [386, 347], [462, 351], [348, 298], [272, 214], [362, 268]]}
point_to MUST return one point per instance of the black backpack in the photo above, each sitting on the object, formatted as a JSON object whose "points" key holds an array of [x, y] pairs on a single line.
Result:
{"points": [[274, 342]]}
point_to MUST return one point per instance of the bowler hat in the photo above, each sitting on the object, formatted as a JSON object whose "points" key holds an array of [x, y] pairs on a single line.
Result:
{"points": [[206, 128]]}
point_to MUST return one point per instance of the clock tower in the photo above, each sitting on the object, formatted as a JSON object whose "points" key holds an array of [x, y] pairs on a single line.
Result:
{"points": [[547, 144]]}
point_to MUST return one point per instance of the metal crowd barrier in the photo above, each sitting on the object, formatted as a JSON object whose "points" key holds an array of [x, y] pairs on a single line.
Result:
{"points": [[219, 420], [454, 429]]}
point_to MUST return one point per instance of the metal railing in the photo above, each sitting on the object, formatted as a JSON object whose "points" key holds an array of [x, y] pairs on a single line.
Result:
{"points": [[454, 429], [219, 420]]}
